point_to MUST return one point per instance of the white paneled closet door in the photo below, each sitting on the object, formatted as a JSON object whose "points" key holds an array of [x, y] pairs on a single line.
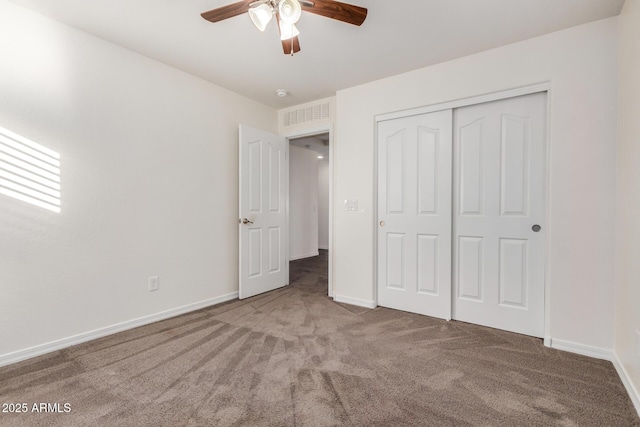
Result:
{"points": [[499, 214], [414, 213]]}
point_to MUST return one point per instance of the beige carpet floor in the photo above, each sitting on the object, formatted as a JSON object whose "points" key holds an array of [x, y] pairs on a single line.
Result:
{"points": [[293, 357]]}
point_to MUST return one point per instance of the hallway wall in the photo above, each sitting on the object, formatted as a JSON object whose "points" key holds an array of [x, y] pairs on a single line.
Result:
{"points": [[303, 203]]}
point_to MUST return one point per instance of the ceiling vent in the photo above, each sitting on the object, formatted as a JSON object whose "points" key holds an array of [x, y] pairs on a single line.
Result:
{"points": [[306, 114]]}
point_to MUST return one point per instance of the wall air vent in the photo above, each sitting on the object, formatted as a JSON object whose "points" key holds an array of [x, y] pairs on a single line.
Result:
{"points": [[306, 114]]}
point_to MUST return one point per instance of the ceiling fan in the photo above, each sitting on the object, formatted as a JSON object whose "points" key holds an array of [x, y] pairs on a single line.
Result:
{"points": [[287, 13]]}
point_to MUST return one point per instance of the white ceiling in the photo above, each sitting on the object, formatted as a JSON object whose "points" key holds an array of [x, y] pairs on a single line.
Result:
{"points": [[397, 36]]}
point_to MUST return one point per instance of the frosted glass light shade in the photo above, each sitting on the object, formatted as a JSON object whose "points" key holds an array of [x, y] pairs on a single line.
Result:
{"points": [[287, 31], [290, 11], [261, 16]]}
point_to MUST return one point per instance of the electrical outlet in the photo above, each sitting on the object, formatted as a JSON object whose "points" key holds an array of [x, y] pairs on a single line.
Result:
{"points": [[154, 283]]}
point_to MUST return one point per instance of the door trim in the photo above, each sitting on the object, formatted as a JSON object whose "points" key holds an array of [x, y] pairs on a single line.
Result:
{"points": [[310, 131], [464, 102]]}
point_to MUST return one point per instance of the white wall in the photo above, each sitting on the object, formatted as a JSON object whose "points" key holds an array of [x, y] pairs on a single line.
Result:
{"points": [[323, 204], [149, 184], [303, 203], [627, 326], [580, 63]]}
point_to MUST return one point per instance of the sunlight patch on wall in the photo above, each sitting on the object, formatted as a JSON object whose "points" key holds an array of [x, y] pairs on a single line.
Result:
{"points": [[29, 171]]}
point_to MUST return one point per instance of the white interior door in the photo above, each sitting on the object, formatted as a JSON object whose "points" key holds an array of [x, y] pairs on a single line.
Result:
{"points": [[264, 240], [499, 202], [414, 209]]}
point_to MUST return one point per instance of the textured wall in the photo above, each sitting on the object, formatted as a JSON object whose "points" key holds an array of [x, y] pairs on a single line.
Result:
{"points": [[303, 203], [149, 184], [580, 64], [628, 187]]}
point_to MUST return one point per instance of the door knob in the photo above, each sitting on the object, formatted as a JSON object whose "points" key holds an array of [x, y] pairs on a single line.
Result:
{"points": [[381, 223], [536, 228], [246, 221]]}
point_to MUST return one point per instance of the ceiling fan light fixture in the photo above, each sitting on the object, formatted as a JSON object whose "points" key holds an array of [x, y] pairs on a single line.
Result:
{"points": [[288, 31], [289, 11], [261, 15]]}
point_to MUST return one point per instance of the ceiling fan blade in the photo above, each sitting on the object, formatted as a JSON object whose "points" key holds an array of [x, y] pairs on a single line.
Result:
{"points": [[228, 11], [337, 10], [286, 45]]}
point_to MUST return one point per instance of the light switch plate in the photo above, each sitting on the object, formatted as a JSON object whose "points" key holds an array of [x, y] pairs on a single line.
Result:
{"points": [[351, 205], [154, 283]]}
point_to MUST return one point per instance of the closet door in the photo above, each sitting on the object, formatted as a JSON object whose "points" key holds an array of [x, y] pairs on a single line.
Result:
{"points": [[499, 214], [414, 213]]}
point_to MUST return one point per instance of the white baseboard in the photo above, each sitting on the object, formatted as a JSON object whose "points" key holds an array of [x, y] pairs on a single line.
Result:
{"points": [[326, 248], [296, 257], [624, 377], [355, 301], [585, 350], [39, 350], [604, 354]]}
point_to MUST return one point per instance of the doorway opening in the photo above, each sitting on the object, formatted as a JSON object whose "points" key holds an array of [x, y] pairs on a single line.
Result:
{"points": [[309, 208]]}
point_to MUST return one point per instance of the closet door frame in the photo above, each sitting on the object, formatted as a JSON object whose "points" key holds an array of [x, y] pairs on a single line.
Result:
{"points": [[495, 96]]}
